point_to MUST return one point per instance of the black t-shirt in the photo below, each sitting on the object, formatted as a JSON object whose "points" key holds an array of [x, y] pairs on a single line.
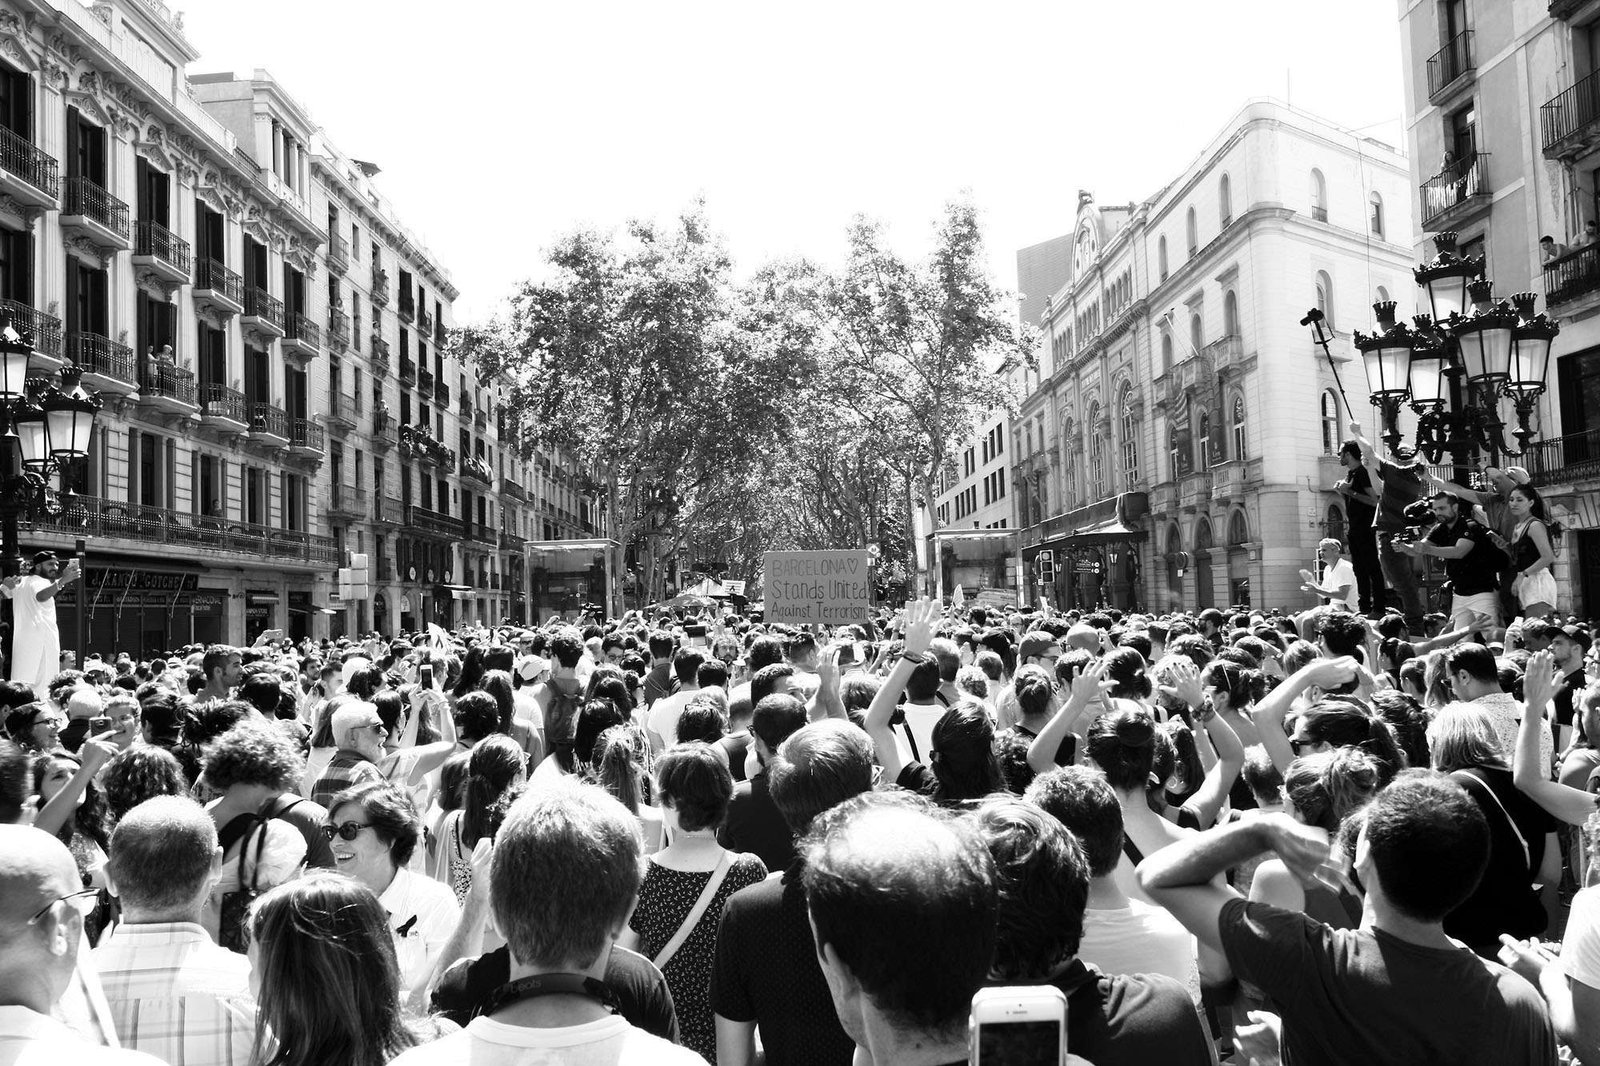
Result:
{"points": [[737, 747], [642, 995], [1359, 515], [1504, 901], [1474, 572], [1572, 685], [1066, 751], [766, 972], [1401, 486], [1131, 1020], [754, 825], [1364, 995]]}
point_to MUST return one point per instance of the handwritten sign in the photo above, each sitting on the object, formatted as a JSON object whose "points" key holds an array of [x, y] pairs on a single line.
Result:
{"points": [[833, 587]]}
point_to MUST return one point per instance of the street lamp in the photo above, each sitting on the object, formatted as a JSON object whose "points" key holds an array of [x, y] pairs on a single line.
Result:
{"points": [[1500, 349]]}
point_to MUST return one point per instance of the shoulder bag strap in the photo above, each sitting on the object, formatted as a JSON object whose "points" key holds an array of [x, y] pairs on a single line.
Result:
{"points": [[1527, 855], [707, 894]]}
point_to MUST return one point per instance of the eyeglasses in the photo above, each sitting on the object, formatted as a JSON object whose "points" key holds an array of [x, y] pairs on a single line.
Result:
{"points": [[345, 831], [83, 901], [378, 727]]}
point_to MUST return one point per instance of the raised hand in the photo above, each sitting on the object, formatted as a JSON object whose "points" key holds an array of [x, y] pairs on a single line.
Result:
{"points": [[1539, 682], [920, 618], [97, 751], [1185, 685], [1331, 673], [1307, 853], [1091, 682]]}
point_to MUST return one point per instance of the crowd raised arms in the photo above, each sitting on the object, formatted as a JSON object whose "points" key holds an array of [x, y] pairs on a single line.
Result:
{"points": [[702, 837]]}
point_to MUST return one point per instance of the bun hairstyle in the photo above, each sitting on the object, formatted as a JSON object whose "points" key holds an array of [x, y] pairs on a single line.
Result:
{"points": [[1122, 744], [1242, 685], [1326, 788], [1398, 652], [1125, 668], [1350, 725]]}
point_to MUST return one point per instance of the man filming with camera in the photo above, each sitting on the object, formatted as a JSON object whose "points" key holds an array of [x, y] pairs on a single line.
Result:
{"points": [[1471, 561]]}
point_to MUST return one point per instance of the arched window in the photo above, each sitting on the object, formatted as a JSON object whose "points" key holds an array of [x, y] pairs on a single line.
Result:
{"points": [[1172, 451], [1325, 296], [1332, 428], [1202, 444], [1161, 257], [1130, 439], [1381, 295], [1238, 428], [1238, 528], [1097, 458], [1230, 315], [1319, 196], [1375, 213], [1335, 522], [1191, 229], [1196, 332], [1166, 351], [1225, 200]]}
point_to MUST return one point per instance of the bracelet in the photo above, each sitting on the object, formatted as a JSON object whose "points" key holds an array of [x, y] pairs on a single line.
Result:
{"points": [[914, 660]]}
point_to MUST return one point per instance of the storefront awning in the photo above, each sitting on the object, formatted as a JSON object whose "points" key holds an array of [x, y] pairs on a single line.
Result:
{"points": [[261, 598], [974, 534], [1105, 532], [594, 544]]}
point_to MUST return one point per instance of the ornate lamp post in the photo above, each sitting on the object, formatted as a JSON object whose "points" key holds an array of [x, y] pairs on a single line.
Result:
{"points": [[1454, 367]]}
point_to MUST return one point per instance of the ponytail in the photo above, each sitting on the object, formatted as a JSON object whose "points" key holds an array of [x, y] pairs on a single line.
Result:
{"points": [[619, 766], [494, 765]]}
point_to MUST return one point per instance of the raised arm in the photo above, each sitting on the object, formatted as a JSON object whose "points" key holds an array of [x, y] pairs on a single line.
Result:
{"points": [[1269, 715], [1213, 792], [920, 616], [1569, 804], [1089, 684]]}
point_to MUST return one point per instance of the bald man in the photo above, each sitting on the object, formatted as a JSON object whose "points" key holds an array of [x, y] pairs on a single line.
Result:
{"points": [[42, 904]]}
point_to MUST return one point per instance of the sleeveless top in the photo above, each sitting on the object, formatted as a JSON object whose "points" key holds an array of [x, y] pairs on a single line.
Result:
{"points": [[458, 866], [1524, 552]]}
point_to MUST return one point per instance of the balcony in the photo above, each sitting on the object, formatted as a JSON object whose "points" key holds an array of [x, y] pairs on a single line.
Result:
{"points": [[1194, 491], [306, 438], [480, 419], [219, 288], [388, 510], [338, 330], [380, 287], [167, 388], [269, 425], [263, 314], [46, 329], [347, 501], [408, 372], [419, 442], [466, 406], [186, 535], [1227, 356], [224, 408], [1570, 123], [1227, 480], [379, 356], [382, 430], [424, 379], [424, 323], [512, 542], [477, 470], [342, 413], [107, 366], [96, 215], [426, 521], [482, 534], [439, 334], [27, 174], [1564, 460], [338, 255], [302, 340], [1457, 194], [162, 252], [1571, 276], [408, 308], [1565, 9], [510, 488], [1451, 68], [441, 394]]}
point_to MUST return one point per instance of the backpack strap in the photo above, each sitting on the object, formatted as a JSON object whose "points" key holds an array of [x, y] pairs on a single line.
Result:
{"points": [[1527, 854]]}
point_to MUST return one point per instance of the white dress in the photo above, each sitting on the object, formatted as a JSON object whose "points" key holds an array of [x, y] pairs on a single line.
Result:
{"points": [[36, 644]]}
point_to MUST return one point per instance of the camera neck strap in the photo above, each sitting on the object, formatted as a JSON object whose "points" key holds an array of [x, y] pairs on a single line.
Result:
{"points": [[550, 984]]}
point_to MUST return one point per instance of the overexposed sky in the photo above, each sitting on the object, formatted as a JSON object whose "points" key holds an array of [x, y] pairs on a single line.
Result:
{"points": [[502, 124]]}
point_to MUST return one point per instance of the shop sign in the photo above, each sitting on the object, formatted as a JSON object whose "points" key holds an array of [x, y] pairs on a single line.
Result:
{"points": [[100, 577]]}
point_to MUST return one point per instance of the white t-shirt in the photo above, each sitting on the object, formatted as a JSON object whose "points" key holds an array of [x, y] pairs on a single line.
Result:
{"points": [[611, 1041], [1580, 948], [1342, 573], [28, 1038], [664, 714], [920, 720], [1140, 938], [426, 909]]}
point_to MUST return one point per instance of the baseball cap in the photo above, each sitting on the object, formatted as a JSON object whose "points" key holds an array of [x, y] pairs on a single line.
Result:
{"points": [[1036, 644], [1518, 474], [1577, 634]]}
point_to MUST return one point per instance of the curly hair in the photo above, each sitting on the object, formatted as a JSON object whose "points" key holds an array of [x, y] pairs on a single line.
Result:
{"points": [[1043, 878], [252, 753], [140, 773], [391, 812]]}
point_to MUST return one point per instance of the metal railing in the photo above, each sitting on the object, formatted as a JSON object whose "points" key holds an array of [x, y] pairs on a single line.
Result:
{"points": [[269, 418], [408, 308], [380, 287], [166, 379], [23, 158], [217, 278], [101, 355], [441, 393], [300, 328], [1572, 275], [99, 518], [480, 419], [1450, 62], [380, 352], [349, 499], [259, 303], [1454, 186], [424, 323], [424, 379], [220, 401], [46, 328], [338, 255], [1571, 114], [304, 433], [1566, 458], [338, 329], [438, 334], [155, 240], [432, 521], [88, 199], [408, 372]]}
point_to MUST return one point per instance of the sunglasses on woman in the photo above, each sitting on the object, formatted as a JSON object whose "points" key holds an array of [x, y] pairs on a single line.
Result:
{"points": [[346, 830]]}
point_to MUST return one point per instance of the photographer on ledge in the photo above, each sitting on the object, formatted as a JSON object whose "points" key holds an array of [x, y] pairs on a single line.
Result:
{"points": [[1472, 563]]}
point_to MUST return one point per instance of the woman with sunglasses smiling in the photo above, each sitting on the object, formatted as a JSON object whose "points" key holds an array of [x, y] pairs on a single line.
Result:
{"points": [[374, 831]]}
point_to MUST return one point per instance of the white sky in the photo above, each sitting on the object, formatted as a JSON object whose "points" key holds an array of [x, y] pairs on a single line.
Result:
{"points": [[500, 125]]}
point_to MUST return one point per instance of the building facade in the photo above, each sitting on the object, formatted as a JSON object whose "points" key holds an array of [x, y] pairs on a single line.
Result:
{"points": [[974, 546], [1177, 444], [1503, 126], [270, 343]]}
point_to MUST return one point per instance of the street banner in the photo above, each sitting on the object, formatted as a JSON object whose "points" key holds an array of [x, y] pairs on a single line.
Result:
{"points": [[831, 587], [992, 597]]}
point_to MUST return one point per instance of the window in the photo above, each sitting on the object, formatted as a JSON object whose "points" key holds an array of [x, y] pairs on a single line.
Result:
{"points": [[1130, 439], [1161, 257], [1225, 200], [1191, 229], [1172, 451], [1381, 295], [1319, 196], [1196, 332], [1375, 213], [1332, 428], [1203, 443], [1239, 451], [1097, 463], [1166, 351], [1325, 296], [1230, 314]]}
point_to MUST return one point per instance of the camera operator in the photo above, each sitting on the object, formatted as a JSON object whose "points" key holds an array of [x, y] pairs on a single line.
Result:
{"points": [[1472, 563]]}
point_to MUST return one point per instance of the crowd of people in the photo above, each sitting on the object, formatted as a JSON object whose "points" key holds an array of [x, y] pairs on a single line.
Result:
{"points": [[1240, 836]]}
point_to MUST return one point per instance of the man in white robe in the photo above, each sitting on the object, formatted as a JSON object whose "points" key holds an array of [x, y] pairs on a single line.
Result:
{"points": [[36, 642]]}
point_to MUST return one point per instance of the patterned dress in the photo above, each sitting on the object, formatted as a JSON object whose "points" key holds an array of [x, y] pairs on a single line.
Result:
{"points": [[665, 899]]}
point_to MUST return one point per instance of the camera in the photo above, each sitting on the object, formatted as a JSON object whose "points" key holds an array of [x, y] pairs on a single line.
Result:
{"points": [[1419, 518]]}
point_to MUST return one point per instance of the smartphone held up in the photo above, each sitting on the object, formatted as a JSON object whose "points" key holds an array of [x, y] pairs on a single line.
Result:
{"points": [[1018, 1026]]}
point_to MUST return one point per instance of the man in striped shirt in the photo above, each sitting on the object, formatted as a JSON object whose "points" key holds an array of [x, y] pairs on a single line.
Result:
{"points": [[173, 992], [359, 732]]}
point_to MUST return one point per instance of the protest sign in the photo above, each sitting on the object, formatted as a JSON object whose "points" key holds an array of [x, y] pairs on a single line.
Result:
{"points": [[830, 587]]}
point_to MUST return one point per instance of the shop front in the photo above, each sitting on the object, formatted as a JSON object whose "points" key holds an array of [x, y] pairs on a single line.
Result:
{"points": [[569, 575], [141, 611], [1096, 552]]}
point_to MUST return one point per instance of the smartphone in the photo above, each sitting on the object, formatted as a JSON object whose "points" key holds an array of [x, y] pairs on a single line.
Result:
{"points": [[425, 675], [1018, 1026], [99, 724]]}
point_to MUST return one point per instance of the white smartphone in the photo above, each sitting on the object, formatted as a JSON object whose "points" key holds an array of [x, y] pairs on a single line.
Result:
{"points": [[1018, 1026]]}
